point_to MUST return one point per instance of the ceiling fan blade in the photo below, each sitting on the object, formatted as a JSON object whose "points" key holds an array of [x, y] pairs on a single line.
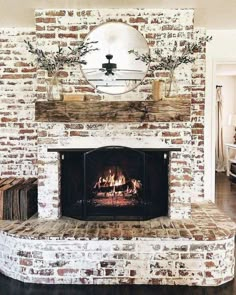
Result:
{"points": [[89, 69], [127, 70], [97, 69], [93, 72]]}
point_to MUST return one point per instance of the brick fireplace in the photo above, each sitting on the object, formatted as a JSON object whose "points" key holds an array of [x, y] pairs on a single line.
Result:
{"points": [[160, 28], [193, 244], [49, 165]]}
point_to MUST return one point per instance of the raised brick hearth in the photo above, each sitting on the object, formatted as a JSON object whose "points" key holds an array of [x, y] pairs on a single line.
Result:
{"points": [[199, 251]]}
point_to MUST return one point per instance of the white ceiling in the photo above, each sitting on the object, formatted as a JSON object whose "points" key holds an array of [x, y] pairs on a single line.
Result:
{"points": [[212, 14]]}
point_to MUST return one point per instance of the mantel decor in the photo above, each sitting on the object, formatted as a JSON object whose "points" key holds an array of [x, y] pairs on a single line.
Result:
{"points": [[53, 62], [113, 111], [171, 60]]}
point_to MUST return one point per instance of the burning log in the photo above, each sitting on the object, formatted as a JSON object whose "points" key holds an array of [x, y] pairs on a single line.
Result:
{"points": [[131, 185], [113, 185]]}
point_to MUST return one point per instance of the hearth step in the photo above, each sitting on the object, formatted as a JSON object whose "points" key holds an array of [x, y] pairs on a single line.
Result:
{"points": [[18, 198], [161, 251]]}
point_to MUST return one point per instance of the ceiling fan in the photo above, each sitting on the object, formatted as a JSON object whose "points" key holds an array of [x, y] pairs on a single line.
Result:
{"points": [[109, 68]]}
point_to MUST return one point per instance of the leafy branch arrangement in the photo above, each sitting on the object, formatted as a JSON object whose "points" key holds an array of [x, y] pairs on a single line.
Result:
{"points": [[172, 61], [52, 62]]}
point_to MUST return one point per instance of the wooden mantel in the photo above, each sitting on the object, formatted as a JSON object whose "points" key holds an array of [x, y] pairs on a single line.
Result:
{"points": [[113, 111]]}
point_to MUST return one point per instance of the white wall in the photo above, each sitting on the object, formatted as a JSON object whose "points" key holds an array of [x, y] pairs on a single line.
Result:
{"points": [[221, 50]]}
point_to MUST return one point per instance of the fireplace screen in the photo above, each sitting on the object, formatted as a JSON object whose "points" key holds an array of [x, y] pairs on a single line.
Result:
{"points": [[114, 183]]}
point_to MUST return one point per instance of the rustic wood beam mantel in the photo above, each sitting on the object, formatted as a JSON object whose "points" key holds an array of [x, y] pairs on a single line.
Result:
{"points": [[113, 111]]}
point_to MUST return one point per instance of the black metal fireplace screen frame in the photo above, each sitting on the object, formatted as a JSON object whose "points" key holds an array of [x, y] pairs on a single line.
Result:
{"points": [[154, 178]]}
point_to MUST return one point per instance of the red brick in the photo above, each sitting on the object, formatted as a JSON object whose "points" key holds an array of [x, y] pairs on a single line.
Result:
{"points": [[65, 271], [170, 134], [138, 20], [210, 264], [177, 141], [24, 131], [4, 119], [198, 125], [63, 74], [10, 70], [56, 27], [209, 274], [84, 13], [46, 35], [45, 20], [26, 262], [17, 76], [197, 131], [41, 88], [167, 27], [56, 13], [82, 35], [187, 177], [70, 35], [42, 133], [73, 28], [40, 28], [28, 70]]}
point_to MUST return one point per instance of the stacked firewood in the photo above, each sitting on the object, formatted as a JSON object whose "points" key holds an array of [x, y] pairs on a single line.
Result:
{"points": [[18, 198]]}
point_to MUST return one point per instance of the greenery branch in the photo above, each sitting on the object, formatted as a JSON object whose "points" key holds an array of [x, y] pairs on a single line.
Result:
{"points": [[171, 61], [52, 62]]}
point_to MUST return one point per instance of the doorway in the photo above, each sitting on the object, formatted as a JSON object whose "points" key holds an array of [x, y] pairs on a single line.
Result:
{"points": [[225, 116]]}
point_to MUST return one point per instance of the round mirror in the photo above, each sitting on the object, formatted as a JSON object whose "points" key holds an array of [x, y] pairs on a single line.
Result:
{"points": [[112, 69]]}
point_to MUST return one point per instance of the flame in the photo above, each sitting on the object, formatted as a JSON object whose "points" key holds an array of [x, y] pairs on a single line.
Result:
{"points": [[116, 189], [112, 178]]}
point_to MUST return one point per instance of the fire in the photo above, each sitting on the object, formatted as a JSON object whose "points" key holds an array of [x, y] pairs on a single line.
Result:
{"points": [[111, 179], [113, 182], [116, 189]]}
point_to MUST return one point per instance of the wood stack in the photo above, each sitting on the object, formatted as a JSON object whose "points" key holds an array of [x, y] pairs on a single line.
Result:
{"points": [[18, 198]]}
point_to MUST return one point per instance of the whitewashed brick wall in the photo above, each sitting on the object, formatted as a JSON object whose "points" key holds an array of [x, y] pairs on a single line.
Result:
{"points": [[19, 131]]}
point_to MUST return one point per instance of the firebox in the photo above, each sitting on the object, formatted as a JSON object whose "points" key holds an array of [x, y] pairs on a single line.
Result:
{"points": [[114, 183]]}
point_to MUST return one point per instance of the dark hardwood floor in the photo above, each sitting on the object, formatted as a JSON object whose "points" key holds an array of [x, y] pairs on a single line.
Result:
{"points": [[226, 195], [225, 200]]}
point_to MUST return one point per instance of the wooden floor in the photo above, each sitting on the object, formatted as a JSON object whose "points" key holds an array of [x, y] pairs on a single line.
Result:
{"points": [[226, 195], [225, 199]]}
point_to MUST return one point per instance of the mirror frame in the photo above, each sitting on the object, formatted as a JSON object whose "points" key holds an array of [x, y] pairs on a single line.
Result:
{"points": [[147, 66]]}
